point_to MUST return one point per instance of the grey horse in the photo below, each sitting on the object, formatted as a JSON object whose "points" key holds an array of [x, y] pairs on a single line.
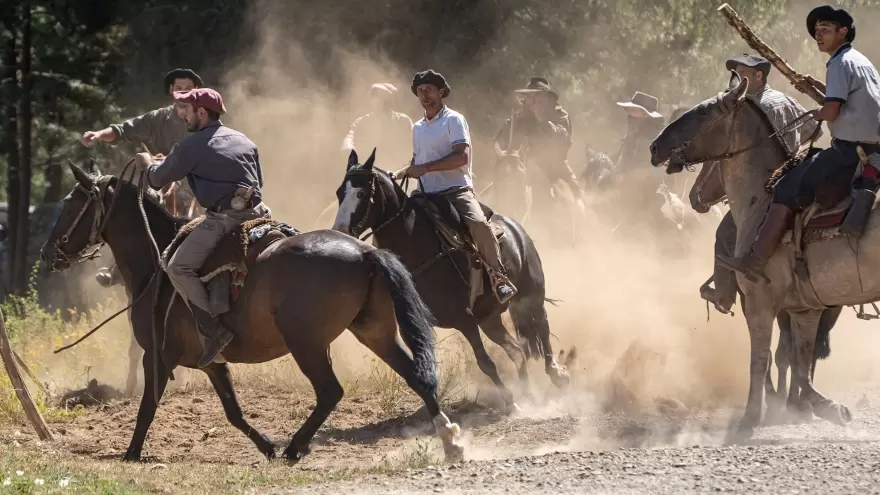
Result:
{"points": [[731, 128]]}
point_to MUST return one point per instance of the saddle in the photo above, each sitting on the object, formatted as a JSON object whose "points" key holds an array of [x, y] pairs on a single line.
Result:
{"points": [[833, 199], [454, 235], [225, 270]]}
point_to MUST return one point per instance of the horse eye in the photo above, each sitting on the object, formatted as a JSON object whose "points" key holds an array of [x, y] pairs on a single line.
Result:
{"points": [[360, 194]]}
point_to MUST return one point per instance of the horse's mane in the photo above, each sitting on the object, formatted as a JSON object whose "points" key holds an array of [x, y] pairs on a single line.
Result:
{"points": [[126, 187]]}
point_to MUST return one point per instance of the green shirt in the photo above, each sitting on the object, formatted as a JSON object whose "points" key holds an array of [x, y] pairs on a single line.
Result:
{"points": [[160, 130]]}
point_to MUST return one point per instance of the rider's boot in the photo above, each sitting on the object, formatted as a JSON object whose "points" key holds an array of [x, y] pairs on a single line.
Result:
{"points": [[216, 336], [854, 223], [770, 234], [501, 285]]}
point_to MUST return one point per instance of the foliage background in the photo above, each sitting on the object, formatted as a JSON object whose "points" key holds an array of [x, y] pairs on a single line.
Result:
{"points": [[72, 65]]}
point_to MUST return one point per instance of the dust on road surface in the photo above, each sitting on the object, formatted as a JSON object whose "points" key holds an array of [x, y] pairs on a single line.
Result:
{"points": [[817, 457]]}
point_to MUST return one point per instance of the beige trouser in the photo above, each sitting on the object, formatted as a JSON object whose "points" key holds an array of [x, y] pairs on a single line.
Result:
{"points": [[465, 202], [199, 244]]}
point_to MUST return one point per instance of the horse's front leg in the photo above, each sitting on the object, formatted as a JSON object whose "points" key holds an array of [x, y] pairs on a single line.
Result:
{"points": [[222, 381], [134, 355], [155, 381], [759, 317]]}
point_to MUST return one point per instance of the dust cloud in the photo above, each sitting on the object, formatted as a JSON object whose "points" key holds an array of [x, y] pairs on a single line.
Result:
{"points": [[629, 305]]}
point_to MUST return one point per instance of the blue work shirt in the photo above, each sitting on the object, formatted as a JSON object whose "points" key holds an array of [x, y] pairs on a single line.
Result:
{"points": [[215, 160]]}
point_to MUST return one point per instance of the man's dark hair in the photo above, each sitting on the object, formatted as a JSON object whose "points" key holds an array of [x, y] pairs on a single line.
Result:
{"points": [[212, 115]]}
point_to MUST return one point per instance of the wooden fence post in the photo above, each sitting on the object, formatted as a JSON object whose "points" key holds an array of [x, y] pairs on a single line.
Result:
{"points": [[21, 390]]}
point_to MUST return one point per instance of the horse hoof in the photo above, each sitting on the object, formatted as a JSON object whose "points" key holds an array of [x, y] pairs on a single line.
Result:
{"points": [[131, 456], [560, 379], [293, 456], [513, 408], [835, 413], [454, 453]]}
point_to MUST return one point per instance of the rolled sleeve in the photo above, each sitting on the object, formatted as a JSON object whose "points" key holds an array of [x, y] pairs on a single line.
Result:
{"points": [[174, 167], [458, 130], [838, 82], [138, 128]]}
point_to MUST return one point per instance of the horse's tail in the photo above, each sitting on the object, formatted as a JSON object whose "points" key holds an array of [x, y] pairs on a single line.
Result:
{"points": [[413, 316]]}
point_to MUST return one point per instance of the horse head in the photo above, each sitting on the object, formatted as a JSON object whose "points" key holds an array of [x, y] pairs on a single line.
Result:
{"points": [[702, 133], [79, 224], [363, 196]]}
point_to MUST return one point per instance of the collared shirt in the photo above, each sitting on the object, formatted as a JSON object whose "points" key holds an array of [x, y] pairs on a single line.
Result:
{"points": [[160, 130], [389, 132], [215, 160], [432, 140], [852, 80], [781, 110]]}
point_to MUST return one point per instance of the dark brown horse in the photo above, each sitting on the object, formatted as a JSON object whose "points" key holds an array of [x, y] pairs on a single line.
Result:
{"points": [[371, 199], [301, 293]]}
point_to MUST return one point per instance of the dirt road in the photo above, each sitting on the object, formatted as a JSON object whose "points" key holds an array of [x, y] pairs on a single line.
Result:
{"points": [[562, 445]]}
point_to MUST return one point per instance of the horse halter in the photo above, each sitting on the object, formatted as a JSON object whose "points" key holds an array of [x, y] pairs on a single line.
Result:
{"points": [[684, 162], [99, 222]]}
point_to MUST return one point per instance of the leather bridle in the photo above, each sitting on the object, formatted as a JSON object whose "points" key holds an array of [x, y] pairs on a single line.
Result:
{"points": [[371, 201]]}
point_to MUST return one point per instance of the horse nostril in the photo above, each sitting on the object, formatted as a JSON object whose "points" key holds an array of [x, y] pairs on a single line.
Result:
{"points": [[653, 149]]}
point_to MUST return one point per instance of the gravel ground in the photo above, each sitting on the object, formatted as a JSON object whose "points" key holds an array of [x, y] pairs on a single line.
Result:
{"points": [[814, 457]]}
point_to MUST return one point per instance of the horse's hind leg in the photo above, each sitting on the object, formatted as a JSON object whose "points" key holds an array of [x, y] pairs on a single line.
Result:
{"points": [[494, 328], [530, 319], [315, 364], [155, 381], [471, 332], [804, 326], [383, 342], [222, 382]]}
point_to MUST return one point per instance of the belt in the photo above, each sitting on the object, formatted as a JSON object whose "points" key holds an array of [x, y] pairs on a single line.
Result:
{"points": [[872, 143], [226, 203]]}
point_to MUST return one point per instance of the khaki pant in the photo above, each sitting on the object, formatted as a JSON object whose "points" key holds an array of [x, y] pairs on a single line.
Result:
{"points": [[199, 244], [465, 202]]}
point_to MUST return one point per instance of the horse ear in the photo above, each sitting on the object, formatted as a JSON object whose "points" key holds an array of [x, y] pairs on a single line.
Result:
{"points": [[80, 175], [93, 167], [369, 163], [734, 81], [737, 92], [352, 159]]}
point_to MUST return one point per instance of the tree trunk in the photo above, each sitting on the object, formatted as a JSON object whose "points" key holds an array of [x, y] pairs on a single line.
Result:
{"points": [[20, 269], [53, 175], [10, 142]]}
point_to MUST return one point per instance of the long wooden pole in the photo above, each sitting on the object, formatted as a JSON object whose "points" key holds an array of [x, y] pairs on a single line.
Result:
{"points": [[21, 390], [765, 51]]}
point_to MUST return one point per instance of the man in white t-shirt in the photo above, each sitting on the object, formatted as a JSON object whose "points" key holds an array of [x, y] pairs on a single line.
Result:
{"points": [[442, 164]]}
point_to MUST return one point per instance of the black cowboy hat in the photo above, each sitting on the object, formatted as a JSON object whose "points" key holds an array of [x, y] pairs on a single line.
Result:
{"points": [[181, 74], [538, 85], [831, 14], [753, 61], [430, 77]]}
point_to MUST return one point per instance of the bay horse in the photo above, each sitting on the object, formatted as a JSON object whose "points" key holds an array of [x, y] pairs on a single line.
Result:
{"points": [[708, 191], [300, 294], [371, 199], [833, 270]]}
